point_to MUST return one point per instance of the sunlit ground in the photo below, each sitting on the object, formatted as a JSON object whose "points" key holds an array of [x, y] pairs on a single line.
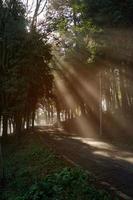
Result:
{"points": [[106, 149], [74, 87]]}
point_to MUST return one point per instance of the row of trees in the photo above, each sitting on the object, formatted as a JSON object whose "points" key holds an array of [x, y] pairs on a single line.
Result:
{"points": [[94, 38], [25, 74]]}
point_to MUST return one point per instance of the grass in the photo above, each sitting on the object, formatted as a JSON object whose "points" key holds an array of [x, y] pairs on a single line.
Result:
{"points": [[28, 163]]}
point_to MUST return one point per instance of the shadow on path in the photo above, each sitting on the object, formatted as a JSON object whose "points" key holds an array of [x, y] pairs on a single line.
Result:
{"points": [[108, 162]]}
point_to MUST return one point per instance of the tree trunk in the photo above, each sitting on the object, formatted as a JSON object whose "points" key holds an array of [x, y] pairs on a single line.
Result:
{"points": [[33, 119], [10, 126], [18, 124], [5, 123], [28, 122], [2, 170], [100, 104]]}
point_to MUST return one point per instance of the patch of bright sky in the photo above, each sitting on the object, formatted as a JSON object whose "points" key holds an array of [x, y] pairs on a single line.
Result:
{"points": [[30, 8]]}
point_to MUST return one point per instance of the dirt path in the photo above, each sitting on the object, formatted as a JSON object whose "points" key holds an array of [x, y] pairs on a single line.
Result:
{"points": [[108, 162]]}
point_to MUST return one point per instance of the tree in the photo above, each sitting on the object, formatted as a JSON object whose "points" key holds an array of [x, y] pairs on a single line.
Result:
{"points": [[25, 72], [97, 35]]}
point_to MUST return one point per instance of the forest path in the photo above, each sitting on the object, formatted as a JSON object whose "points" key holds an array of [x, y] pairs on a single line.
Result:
{"points": [[109, 163]]}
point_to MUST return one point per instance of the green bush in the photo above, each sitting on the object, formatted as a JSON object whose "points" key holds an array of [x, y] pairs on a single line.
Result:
{"points": [[69, 184], [36, 173]]}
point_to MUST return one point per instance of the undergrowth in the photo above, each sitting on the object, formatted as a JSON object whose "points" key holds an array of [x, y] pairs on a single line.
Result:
{"points": [[33, 172]]}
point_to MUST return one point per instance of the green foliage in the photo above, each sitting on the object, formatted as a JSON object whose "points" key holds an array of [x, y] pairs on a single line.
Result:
{"points": [[67, 184], [26, 163], [25, 75], [85, 23], [77, 32], [36, 173], [62, 25], [109, 12]]}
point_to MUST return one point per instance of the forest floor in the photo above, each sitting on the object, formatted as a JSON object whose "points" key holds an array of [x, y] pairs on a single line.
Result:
{"points": [[110, 162], [35, 169], [26, 161]]}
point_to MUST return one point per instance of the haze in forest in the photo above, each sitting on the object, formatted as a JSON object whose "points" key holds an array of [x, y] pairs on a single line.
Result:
{"points": [[66, 69]]}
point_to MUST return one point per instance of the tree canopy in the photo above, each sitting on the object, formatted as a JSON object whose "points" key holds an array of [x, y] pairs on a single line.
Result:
{"points": [[25, 74]]}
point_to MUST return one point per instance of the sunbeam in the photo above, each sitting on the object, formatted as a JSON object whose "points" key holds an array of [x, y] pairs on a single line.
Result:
{"points": [[85, 89], [83, 124]]}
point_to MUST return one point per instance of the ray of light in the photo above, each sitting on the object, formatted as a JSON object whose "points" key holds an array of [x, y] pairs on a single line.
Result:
{"points": [[70, 72], [79, 87], [83, 123], [61, 86], [86, 91]]}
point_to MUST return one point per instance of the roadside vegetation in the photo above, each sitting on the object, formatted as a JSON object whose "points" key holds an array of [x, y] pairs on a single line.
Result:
{"points": [[34, 172], [66, 62]]}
